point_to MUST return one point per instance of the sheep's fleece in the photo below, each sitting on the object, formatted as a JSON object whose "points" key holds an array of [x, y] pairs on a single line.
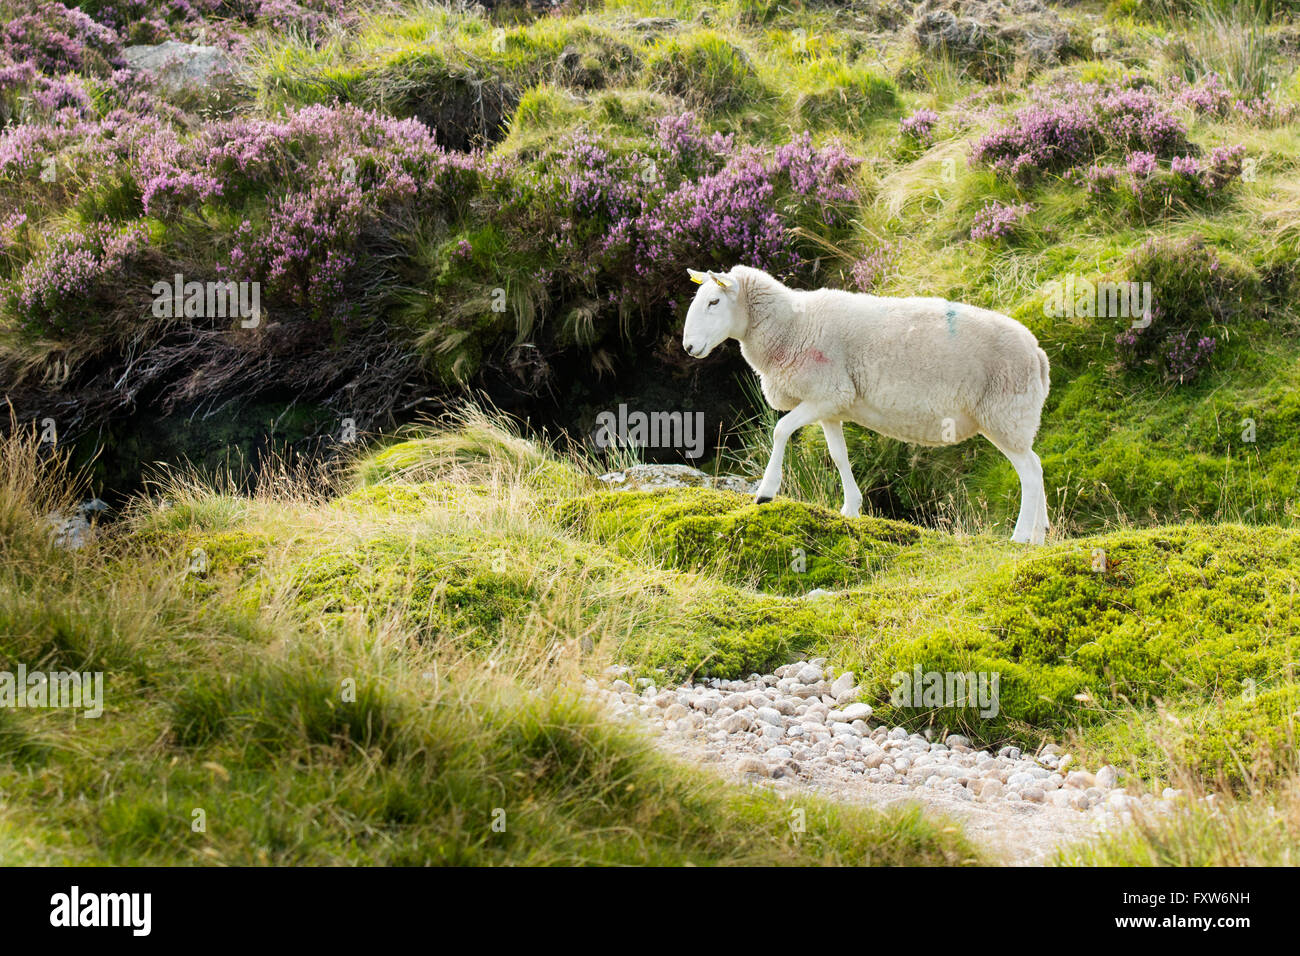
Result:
{"points": [[922, 370]]}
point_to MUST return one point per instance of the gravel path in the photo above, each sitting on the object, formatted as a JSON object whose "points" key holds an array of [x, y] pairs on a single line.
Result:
{"points": [[801, 730]]}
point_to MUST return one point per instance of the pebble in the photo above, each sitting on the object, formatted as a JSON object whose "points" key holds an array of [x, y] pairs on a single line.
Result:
{"points": [[798, 721]]}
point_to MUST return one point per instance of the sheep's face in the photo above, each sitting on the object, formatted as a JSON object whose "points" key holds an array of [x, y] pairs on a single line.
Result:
{"points": [[714, 316]]}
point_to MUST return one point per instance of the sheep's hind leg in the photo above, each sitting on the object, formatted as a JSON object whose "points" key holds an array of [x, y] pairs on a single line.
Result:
{"points": [[1031, 523], [839, 450], [1041, 521], [803, 414], [1030, 526]]}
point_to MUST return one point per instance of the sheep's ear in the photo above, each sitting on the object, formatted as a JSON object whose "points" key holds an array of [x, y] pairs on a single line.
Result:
{"points": [[697, 277], [725, 282]]}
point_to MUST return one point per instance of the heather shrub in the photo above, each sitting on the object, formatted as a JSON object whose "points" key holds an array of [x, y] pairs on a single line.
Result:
{"points": [[872, 268], [1152, 188], [55, 40], [84, 278], [915, 134], [319, 192], [705, 70], [627, 223], [1209, 97], [1072, 124], [997, 221], [1198, 297], [744, 211]]}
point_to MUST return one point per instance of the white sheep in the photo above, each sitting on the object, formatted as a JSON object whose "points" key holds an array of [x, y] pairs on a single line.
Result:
{"points": [[921, 370]]}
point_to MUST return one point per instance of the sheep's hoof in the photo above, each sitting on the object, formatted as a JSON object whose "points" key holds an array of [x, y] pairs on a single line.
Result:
{"points": [[762, 499]]}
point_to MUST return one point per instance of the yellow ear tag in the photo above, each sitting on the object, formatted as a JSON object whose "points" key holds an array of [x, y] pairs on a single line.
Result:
{"points": [[697, 280]]}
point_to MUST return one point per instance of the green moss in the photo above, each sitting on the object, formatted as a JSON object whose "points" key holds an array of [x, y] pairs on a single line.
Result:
{"points": [[1180, 616], [401, 498], [458, 585], [782, 546]]}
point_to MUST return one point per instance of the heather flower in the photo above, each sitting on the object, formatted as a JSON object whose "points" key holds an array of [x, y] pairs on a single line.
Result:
{"points": [[1101, 180], [998, 220], [1195, 291], [64, 287], [1071, 124], [1141, 165], [57, 40], [875, 265], [919, 127], [1182, 359], [1209, 97]]}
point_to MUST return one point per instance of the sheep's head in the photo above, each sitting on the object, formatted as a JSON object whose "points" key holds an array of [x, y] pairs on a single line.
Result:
{"points": [[714, 316]]}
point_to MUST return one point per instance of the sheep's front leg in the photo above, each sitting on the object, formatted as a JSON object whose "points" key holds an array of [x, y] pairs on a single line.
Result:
{"points": [[839, 450], [803, 414]]}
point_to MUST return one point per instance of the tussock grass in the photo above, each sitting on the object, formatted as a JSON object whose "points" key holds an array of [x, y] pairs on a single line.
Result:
{"points": [[245, 724]]}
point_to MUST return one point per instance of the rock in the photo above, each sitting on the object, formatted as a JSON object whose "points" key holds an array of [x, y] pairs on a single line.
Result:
{"points": [[706, 704], [769, 715], [180, 65], [1107, 777], [842, 685], [809, 674], [957, 739], [737, 723], [1120, 801], [858, 712], [70, 533], [1080, 780], [989, 789], [1034, 794], [654, 24], [621, 686]]}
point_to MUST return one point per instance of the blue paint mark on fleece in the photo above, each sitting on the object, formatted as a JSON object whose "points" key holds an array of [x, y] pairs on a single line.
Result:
{"points": [[951, 316]]}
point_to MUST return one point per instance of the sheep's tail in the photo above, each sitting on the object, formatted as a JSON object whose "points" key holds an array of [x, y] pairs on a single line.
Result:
{"points": [[1044, 371]]}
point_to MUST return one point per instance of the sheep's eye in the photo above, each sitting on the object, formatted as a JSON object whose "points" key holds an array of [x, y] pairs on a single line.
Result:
{"points": [[713, 302]]}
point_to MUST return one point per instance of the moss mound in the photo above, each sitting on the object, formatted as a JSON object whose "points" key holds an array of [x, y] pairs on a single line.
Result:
{"points": [[783, 546]]}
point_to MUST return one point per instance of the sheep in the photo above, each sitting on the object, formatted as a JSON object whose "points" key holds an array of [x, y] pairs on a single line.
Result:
{"points": [[922, 370]]}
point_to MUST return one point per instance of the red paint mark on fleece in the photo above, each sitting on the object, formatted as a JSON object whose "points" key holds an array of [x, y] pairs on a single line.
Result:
{"points": [[784, 357]]}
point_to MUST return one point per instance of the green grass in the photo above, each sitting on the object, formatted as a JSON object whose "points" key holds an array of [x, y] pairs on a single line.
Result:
{"points": [[505, 570], [344, 684]]}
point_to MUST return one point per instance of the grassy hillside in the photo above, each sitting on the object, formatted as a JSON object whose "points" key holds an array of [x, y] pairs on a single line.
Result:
{"points": [[508, 200], [504, 200], [260, 708]]}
